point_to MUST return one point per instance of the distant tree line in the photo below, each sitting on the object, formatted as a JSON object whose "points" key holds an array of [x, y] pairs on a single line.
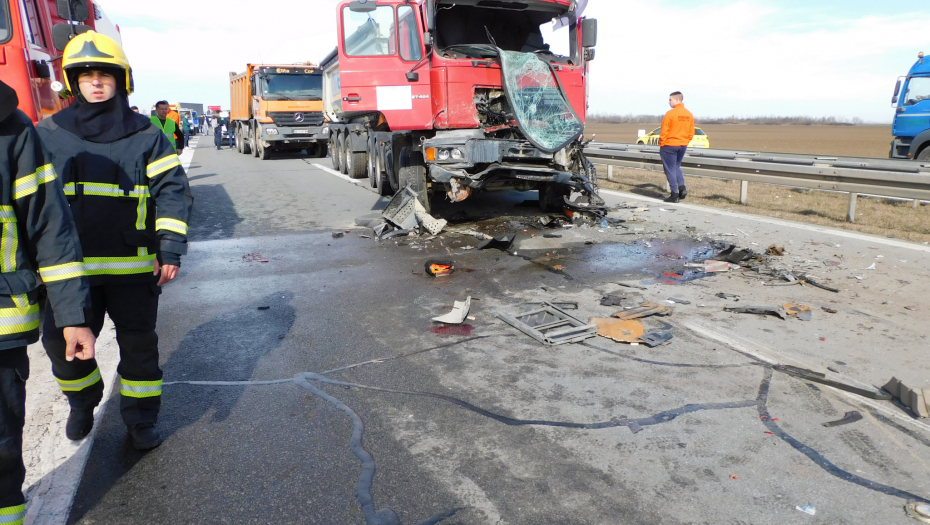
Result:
{"points": [[610, 118]]}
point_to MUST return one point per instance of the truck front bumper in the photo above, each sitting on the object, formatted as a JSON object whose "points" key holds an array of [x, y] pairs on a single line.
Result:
{"points": [[279, 135], [900, 148], [476, 162]]}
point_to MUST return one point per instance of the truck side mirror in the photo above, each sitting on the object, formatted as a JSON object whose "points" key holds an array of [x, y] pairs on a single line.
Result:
{"points": [[62, 33], [430, 15], [363, 6], [897, 90], [589, 32], [76, 12]]}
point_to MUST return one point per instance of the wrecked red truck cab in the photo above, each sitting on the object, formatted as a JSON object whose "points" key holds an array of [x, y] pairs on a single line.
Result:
{"points": [[457, 97]]}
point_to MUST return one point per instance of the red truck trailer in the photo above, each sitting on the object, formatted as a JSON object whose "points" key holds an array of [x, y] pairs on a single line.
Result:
{"points": [[455, 97], [30, 31]]}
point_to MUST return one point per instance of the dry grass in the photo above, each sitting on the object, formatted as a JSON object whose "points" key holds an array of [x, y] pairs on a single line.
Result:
{"points": [[875, 216], [849, 141]]}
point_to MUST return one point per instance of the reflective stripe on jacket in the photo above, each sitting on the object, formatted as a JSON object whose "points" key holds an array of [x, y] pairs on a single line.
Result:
{"points": [[677, 127], [130, 199], [35, 219], [169, 128]]}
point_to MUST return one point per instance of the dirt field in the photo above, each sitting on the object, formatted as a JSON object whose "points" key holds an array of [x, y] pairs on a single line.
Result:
{"points": [[849, 141]]}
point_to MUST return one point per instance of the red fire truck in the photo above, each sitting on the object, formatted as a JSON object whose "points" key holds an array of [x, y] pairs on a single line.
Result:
{"points": [[30, 33], [460, 96]]}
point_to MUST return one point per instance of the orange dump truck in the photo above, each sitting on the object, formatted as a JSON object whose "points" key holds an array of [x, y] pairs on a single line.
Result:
{"points": [[278, 108]]}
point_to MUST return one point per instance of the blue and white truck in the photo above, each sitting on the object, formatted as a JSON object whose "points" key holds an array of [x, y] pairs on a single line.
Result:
{"points": [[911, 126]]}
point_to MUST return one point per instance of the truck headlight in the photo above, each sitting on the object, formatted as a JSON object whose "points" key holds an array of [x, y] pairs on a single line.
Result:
{"points": [[442, 154], [271, 131], [457, 154]]}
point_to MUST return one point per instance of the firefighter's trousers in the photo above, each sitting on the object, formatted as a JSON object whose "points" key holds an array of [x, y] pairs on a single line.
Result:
{"points": [[133, 309], [14, 370]]}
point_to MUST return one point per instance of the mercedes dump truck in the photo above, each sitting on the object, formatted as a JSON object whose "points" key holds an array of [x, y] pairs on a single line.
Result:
{"points": [[911, 125], [278, 108], [32, 35], [454, 97]]}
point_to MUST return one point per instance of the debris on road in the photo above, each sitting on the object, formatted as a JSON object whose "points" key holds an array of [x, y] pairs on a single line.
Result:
{"points": [[552, 236], [850, 417], [678, 301], [646, 309], [629, 285], [728, 296], [917, 399], [775, 250], [733, 255], [612, 300], [634, 427], [808, 280], [458, 314], [503, 243], [395, 233], [800, 311], [828, 310], [405, 212], [338, 235], [656, 338], [254, 257], [439, 268], [817, 377], [550, 325], [920, 511], [808, 509], [757, 310], [618, 330]]}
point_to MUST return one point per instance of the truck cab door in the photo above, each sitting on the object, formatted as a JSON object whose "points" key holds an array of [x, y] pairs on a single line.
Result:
{"points": [[381, 66], [913, 112], [42, 71]]}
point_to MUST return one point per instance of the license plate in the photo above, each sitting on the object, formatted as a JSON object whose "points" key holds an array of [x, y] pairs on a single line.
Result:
{"points": [[301, 131]]}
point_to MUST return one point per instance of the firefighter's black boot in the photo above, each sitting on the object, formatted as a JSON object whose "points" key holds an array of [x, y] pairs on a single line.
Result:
{"points": [[80, 423], [682, 192], [144, 436]]}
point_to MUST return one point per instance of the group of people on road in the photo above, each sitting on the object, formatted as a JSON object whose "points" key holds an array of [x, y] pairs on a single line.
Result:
{"points": [[95, 204]]}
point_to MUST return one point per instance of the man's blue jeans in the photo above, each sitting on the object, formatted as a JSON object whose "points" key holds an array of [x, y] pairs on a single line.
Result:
{"points": [[671, 163]]}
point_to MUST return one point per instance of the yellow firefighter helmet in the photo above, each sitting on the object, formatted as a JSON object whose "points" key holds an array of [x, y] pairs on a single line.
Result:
{"points": [[91, 50]]}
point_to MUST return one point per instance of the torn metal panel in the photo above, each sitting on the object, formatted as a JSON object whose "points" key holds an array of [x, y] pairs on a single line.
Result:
{"points": [[550, 325], [431, 224], [504, 242], [917, 399], [646, 309], [539, 104], [618, 330], [656, 338], [401, 211], [458, 314], [817, 377], [757, 310]]}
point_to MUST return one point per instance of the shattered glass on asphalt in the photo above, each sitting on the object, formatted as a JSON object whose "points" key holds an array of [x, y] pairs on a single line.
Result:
{"points": [[539, 104]]}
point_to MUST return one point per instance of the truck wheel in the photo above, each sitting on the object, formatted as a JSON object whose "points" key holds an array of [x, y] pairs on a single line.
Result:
{"points": [[551, 197], [334, 151], [373, 170], [357, 165], [263, 152], [254, 142], [246, 143], [413, 174], [925, 154], [343, 155], [239, 145], [317, 151]]}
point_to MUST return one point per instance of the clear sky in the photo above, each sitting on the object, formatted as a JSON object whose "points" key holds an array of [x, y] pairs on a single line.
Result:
{"points": [[744, 58]]}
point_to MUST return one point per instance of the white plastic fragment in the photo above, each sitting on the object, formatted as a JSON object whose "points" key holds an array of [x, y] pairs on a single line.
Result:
{"points": [[458, 314], [808, 509]]}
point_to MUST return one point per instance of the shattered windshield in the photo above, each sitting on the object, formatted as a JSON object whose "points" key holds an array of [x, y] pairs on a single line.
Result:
{"points": [[538, 103]]}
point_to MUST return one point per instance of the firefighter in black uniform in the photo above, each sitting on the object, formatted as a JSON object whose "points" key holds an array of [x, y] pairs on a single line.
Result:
{"points": [[36, 233], [131, 201]]}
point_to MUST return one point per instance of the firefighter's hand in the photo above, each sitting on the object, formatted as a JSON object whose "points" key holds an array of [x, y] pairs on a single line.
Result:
{"points": [[79, 343], [180, 151], [168, 272]]}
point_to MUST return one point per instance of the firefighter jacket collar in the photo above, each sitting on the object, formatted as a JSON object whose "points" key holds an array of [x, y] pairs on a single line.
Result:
{"points": [[8, 101], [101, 122]]}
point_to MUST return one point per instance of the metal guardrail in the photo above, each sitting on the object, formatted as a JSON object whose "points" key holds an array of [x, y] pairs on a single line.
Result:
{"points": [[903, 179]]}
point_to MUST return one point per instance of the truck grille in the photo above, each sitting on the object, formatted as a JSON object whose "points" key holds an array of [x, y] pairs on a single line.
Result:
{"points": [[297, 118]]}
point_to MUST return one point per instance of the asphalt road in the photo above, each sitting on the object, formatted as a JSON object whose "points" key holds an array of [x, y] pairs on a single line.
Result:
{"points": [[270, 308]]}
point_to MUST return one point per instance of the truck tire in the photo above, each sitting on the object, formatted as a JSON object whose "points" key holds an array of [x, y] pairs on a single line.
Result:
{"points": [[551, 197], [246, 143], [356, 165], [343, 157], [334, 151], [239, 145], [254, 142], [316, 151], [924, 155], [413, 174], [373, 169], [263, 152]]}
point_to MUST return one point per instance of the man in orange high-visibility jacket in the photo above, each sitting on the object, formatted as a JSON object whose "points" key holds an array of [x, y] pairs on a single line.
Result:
{"points": [[677, 132]]}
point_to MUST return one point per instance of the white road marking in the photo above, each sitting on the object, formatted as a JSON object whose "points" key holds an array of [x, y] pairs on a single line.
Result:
{"points": [[779, 222], [361, 183]]}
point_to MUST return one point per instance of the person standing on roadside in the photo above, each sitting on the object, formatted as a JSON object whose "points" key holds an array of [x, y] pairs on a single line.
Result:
{"points": [[38, 234], [218, 130], [677, 132], [186, 129], [168, 126], [132, 203]]}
